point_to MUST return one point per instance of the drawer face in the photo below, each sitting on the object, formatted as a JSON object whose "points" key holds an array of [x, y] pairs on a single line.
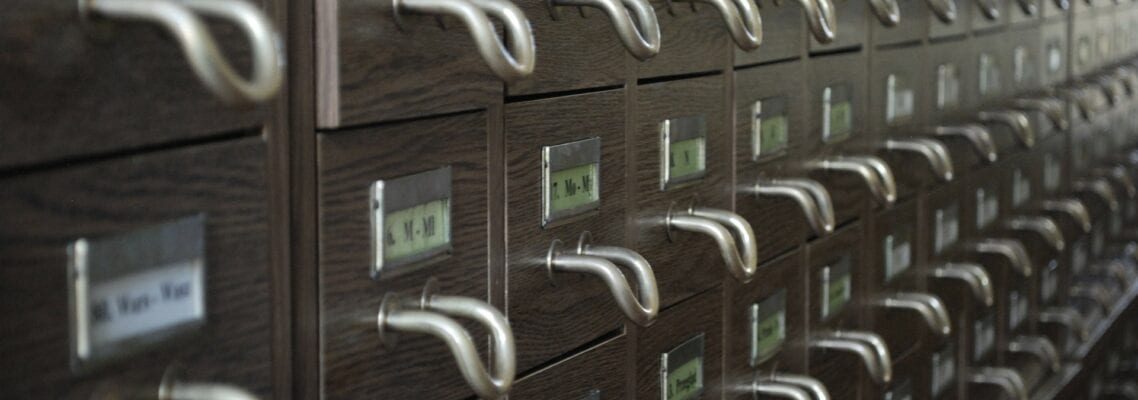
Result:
{"points": [[946, 220], [765, 318], [689, 263], [1018, 17], [1025, 56], [691, 335], [898, 92], [854, 18], [836, 110], [984, 22], [1083, 53], [912, 27], [588, 375], [984, 200], [1104, 38], [694, 39], [940, 30], [369, 69], [993, 63], [577, 47], [102, 86], [123, 202], [841, 372], [952, 77], [550, 319], [784, 25], [350, 163], [769, 117], [895, 248]]}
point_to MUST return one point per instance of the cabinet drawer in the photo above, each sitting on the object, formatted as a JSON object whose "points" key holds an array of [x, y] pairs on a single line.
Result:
{"points": [[914, 24], [830, 262], [1054, 53], [989, 15], [693, 39], [691, 336], [355, 361], [75, 88], [597, 373], [149, 208], [785, 33], [940, 30], [1083, 53], [577, 48], [1026, 59], [766, 320], [552, 317], [854, 17], [952, 74], [898, 92]]}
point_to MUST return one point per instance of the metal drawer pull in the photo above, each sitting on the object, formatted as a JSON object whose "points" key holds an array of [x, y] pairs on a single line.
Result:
{"points": [[1073, 208], [765, 388], [1006, 379], [977, 135], [875, 172], [710, 221], [1109, 86], [811, 196], [945, 10], [1039, 347], [602, 261], [989, 8], [1052, 107], [742, 19], [1010, 249], [1063, 4], [813, 386], [973, 275], [199, 46], [1100, 188], [1067, 317], [430, 315], [511, 63], [1016, 120], [1042, 226], [888, 12], [1098, 295], [1088, 100], [822, 19], [1120, 177], [934, 152], [869, 347], [1028, 7], [931, 309], [640, 36]]}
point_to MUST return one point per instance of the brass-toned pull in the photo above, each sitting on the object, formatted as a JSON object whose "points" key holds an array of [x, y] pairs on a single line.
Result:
{"points": [[1010, 249], [1052, 107], [1015, 120], [1100, 188], [1073, 208]]}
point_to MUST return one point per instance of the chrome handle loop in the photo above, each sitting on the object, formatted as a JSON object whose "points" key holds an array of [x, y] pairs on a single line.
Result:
{"points": [[870, 347], [600, 261], [822, 18], [766, 387], [1010, 249], [945, 10], [429, 315], [1039, 347], [1016, 120], [1100, 188], [1099, 296], [1006, 379], [875, 172], [989, 8], [977, 135], [742, 19], [934, 152], [816, 389], [930, 308], [1069, 318], [973, 275], [1118, 175], [1042, 226], [511, 62], [740, 228], [201, 49], [1052, 107], [888, 12], [810, 195], [1073, 208], [741, 265], [640, 36]]}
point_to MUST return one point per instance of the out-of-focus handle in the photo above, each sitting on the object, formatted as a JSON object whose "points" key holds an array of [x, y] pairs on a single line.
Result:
{"points": [[1038, 347], [1068, 318], [974, 276], [1017, 121], [1028, 7], [1052, 107], [810, 195], [741, 265], [640, 36], [1072, 208], [1006, 379], [864, 350], [1098, 187], [511, 62], [875, 172], [978, 136], [888, 12], [822, 19], [929, 307], [1010, 249], [816, 389], [934, 152], [989, 8], [742, 19], [1120, 177], [945, 10], [766, 388], [1045, 227], [201, 50]]}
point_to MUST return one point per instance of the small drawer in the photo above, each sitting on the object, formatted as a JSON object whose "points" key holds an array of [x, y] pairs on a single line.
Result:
{"points": [[1026, 59], [899, 92], [766, 320], [945, 219], [1053, 53], [577, 48], [833, 266], [694, 39], [172, 249], [683, 351], [939, 30], [989, 15], [891, 261], [783, 26], [836, 103], [854, 17], [952, 75], [601, 372], [1083, 50], [916, 15]]}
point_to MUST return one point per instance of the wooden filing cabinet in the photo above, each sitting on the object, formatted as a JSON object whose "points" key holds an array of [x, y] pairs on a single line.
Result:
{"points": [[579, 49], [854, 19], [785, 33], [834, 265], [892, 266], [683, 350], [600, 371], [694, 39]]}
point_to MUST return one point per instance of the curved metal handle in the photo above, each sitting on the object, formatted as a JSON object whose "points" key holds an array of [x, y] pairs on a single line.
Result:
{"points": [[601, 261], [1067, 317], [875, 172], [888, 12], [1039, 347], [810, 195], [1052, 107], [989, 8], [978, 136], [766, 387], [870, 347], [1028, 7], [1010, 249], [640, 36], [973, 275], [1118, 175], [822, 18], [1016, 120], [1099, 187], [1074, 208], [931, 309], [511, 63], [945, 10], [430, 317], [742, 19], [1110, 86], [1063, 4], [1098, 295], [934, 152], [1088, 100], [710, 222], [1006, 379], [1042, 226], [816, 389], [199, 46]]}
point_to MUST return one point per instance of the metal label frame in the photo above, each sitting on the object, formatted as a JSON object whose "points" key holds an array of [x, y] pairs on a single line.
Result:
{"points": [[841, 268], [399, 194], [835, 94], [759, 312], [679, 356], [675, 130], [559, 157], [947, 86], [770, 107], [96, 260], [899, 91]]}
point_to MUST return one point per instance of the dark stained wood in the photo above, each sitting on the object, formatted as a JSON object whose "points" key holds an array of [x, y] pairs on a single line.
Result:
{"points": [[702, 314], [785, 33], [549, 318], [915, 19], [843, 373], [369, 70], [46, 211], [854, 17], [76, 89], [981, 24], [694, 39], [903, 331], [911, 371], [577, 49], [689, 263], [907, 65], [960, 55], [354, 362], [603, 369], [938, 30]]}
